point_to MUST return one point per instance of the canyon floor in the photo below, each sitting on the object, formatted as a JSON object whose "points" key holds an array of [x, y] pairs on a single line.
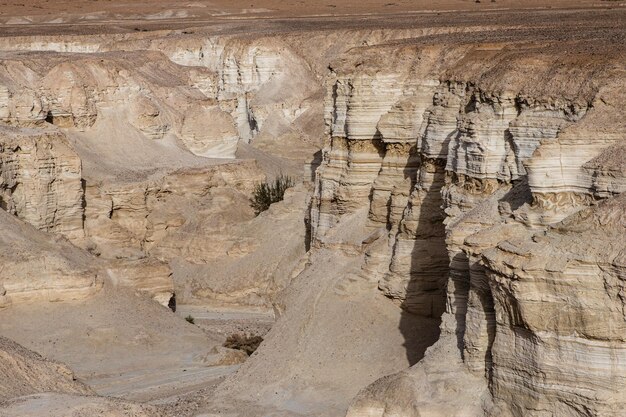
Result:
{"points": [[454, 242]]}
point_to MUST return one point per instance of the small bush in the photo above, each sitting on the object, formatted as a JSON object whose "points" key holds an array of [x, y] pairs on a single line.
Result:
{"points": [[270, 192], [246, 343], [190, 319]]}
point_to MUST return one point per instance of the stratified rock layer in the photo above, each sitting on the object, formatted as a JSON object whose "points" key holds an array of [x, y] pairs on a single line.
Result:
{"points": [[453, 156], [41, 267], [41, 180], [559, 315]]}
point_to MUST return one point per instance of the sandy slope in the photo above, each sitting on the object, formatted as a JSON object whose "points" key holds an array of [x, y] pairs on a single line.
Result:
{"points": [[327, 342], [117, 341]]}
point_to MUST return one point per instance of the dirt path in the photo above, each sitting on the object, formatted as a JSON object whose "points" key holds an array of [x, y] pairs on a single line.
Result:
{"points": [[223, 322], [222, 314], [159, 386]]}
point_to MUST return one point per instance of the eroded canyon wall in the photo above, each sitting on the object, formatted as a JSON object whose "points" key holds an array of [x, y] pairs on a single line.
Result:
{"points": [[468, 162], [474, 184], [112, 142]]}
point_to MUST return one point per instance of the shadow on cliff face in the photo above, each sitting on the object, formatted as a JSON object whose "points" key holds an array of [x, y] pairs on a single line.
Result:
{"points": [[419, 334], [426, 290]]}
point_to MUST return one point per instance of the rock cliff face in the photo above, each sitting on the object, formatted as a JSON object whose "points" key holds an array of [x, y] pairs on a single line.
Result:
{"points": [[467, 170], [138, 216], [63, 271], [559, 316], [211, 92], [148, 92], [41, 180], [37, 267]]}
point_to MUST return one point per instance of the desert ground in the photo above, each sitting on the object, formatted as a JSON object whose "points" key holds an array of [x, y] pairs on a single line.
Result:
{"points": [[452, 243]]}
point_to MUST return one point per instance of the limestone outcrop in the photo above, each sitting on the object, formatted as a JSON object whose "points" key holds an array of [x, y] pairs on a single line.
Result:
{"points": [[41, 267], [146, 201], [150, 93], [453, 159], [41, 180], [558, 315], [139, 215], [37, 266], [137, 199]]}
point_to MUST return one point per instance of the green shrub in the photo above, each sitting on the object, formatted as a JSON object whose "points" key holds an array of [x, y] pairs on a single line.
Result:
{"points": [[190, 319], [270, 192]]}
